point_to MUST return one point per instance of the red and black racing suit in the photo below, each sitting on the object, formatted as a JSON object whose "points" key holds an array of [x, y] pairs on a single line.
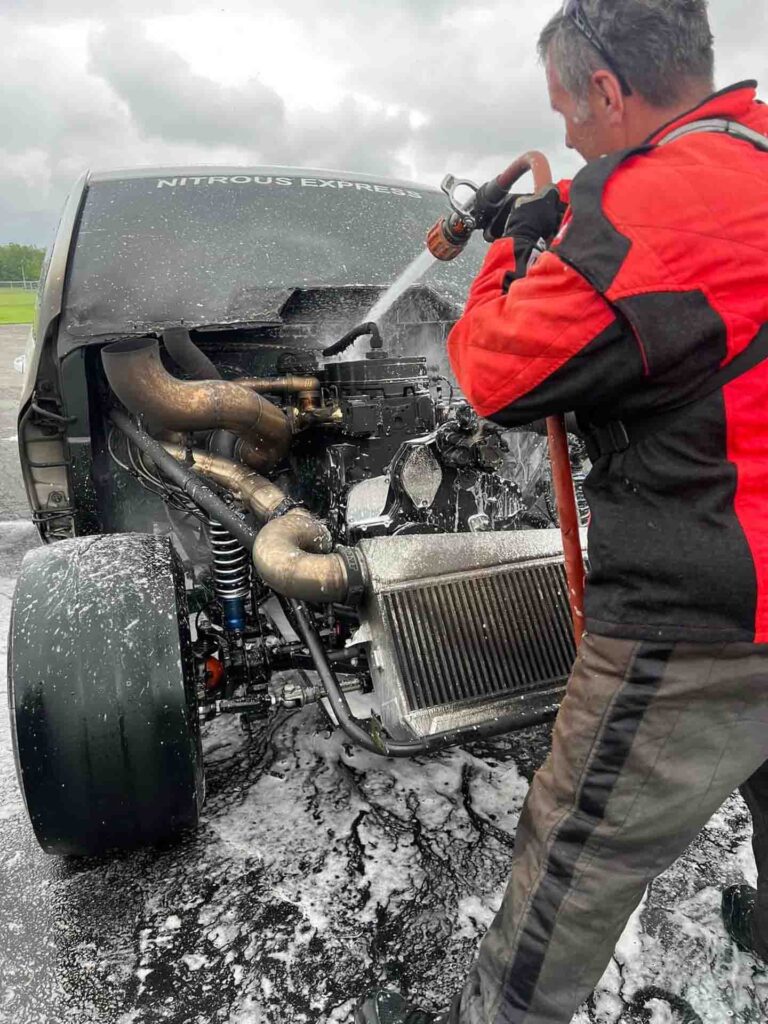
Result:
{"points": [[658, 279]]}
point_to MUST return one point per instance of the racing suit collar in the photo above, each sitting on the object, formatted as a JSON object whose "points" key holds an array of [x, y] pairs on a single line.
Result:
{"points": [[733, 103]]}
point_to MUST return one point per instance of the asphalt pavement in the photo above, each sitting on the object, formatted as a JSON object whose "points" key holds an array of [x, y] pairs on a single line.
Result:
{"points": [[318, 871], [12, 502]]}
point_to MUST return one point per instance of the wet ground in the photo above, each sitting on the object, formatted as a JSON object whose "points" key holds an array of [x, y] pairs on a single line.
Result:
{"points": [[318, 871], [12, 503]]}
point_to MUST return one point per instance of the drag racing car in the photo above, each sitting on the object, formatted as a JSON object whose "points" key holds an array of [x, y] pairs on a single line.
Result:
{"points": [[259, 487]]}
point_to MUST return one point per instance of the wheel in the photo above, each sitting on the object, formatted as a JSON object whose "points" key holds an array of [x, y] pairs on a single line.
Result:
{"points": [[102, 695]]}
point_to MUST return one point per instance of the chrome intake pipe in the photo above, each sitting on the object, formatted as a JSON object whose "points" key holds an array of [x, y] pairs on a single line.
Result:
{"points": [[293, 554], [141, 382]]}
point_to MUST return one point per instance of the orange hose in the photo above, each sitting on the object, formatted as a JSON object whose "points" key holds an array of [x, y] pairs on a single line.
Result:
{"points": [[570, 524], [562, 477], [532, 161], [559, 456]]}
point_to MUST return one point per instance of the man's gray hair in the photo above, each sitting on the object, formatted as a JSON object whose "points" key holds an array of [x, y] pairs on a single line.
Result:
{"points": [[660, 46]]}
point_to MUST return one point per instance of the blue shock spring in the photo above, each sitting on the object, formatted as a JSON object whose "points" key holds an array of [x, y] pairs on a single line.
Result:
{"points": [[231, 575]]}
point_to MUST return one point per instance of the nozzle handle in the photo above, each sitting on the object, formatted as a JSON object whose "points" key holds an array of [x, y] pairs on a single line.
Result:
{"points": [[447, 239]]}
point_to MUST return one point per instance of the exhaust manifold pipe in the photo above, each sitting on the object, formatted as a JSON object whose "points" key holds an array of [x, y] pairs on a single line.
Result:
{"points": [[293, 553], [294, 556], [141, 382]]}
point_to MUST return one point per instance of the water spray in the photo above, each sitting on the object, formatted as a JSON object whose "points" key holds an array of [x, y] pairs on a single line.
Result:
{"points": [[447, 240]]}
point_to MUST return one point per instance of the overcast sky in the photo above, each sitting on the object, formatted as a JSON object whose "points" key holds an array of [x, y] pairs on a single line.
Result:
{"points": [[411, 88]]}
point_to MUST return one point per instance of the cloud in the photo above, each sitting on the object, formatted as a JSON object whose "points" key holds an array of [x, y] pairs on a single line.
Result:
{"points": [[51, 115], [129, 102], [169, 100], [413, 88], [413, 98], [476, 79]]}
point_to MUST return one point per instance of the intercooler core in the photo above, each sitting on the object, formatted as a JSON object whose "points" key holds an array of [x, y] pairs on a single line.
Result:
{"points": [[462, 628]]}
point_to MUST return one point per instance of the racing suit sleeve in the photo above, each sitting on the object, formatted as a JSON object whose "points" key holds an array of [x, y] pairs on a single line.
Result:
{"points": [[548, 342]]}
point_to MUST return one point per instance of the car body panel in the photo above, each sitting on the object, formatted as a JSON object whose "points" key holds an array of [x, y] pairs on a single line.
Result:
{"points": [[52, 285]]}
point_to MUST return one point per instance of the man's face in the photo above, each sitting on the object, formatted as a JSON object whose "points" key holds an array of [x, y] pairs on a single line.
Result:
{"points": [[588, 126]]}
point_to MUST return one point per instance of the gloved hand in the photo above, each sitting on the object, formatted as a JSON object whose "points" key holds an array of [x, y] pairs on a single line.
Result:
{"points": [[535, 217], [531, 219], [494, 221]]}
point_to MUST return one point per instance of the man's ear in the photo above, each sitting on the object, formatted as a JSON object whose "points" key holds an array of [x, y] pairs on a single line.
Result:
{"points": [[609, 95]]}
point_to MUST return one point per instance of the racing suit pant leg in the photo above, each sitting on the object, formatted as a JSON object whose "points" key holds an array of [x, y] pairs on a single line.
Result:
{"points": [[755, 793], [651, 739]]}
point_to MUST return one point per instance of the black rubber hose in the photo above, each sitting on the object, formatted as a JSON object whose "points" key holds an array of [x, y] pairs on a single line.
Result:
{"points": [[381, 744], [186, 354], [186, 479], [351, 337]]}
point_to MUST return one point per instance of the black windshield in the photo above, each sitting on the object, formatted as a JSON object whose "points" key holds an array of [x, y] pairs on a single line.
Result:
{"points": [[231, 248]]}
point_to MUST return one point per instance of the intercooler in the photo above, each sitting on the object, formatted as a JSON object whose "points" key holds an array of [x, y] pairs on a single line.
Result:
{"points": [[464, 628]]}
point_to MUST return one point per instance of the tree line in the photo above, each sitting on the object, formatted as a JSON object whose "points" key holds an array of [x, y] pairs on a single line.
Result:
{"points": [[20, 262]]}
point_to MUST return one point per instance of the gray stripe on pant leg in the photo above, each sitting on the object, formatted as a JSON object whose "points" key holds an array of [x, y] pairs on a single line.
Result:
{"points": [[609, 757]]}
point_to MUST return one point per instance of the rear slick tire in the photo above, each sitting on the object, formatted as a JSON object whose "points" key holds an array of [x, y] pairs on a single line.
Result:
{"points": [[102, 695]]}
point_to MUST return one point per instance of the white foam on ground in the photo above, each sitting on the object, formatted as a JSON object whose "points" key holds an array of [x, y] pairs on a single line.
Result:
{"points": [[320, 870], [11, 803]]}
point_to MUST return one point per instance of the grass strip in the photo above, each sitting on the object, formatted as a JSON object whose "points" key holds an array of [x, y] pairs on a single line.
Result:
{"points": [[16, 306]]}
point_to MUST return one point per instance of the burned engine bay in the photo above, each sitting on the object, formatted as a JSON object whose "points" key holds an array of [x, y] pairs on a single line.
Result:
{"points": [[335, 513]]}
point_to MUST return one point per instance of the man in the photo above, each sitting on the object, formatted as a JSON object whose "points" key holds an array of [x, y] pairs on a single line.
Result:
{"points": [[656, 281]]}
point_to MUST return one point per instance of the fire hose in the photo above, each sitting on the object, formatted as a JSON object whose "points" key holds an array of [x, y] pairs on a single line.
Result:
{"points": [[447, 240]]}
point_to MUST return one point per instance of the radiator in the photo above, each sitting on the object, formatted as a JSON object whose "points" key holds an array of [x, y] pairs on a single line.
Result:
{"points": [[461, 628]]}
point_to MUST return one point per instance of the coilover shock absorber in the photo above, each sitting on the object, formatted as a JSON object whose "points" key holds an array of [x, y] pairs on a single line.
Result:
{"points": [[231, 575]]}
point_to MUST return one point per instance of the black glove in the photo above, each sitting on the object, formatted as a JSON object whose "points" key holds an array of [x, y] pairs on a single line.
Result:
{"points": [[494, 221], [535, 217]]}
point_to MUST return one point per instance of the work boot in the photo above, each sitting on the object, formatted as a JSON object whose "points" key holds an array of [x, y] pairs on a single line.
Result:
{"points": [[739, 903], [383, 1006]]}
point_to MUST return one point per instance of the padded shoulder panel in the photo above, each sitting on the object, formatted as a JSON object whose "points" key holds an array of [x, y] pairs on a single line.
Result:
{"points": [[591, 244]]}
